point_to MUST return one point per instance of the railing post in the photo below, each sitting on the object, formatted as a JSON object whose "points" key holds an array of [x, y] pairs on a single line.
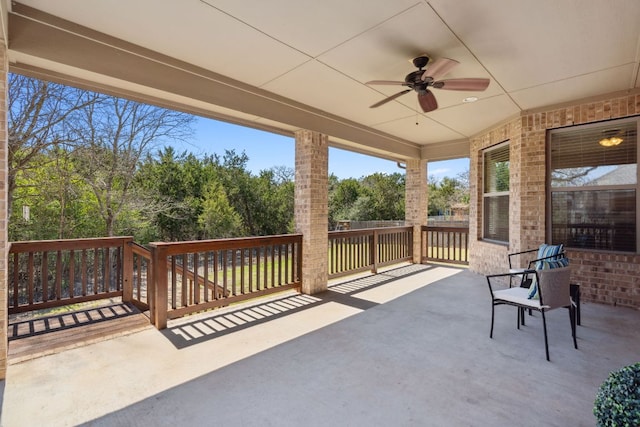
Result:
{"points": [[127, 270], [159, 286], [409, 241]]}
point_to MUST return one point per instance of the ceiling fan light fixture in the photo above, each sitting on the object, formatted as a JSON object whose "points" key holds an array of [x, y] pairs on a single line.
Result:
{"points": [[611, 142]]}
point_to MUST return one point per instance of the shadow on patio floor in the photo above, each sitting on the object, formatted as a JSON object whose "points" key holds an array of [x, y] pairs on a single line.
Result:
{"points": [[213, 324]]}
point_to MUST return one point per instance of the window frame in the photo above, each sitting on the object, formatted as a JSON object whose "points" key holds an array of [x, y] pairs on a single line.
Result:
{"points": [[549, 190], [493, 194]]}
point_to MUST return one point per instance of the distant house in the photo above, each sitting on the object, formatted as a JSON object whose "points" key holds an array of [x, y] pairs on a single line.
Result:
{"points": [[622, 174]]}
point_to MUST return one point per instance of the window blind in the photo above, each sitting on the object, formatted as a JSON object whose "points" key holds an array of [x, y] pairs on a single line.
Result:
{"points": [[578, 159]]}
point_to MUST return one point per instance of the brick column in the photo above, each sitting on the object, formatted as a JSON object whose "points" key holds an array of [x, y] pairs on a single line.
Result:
{"points": [[311, 208], [416, 201], [4, 240]]}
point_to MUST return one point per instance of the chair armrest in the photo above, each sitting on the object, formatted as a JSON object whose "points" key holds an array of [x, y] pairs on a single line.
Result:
{"points": [[519, 253], [532, 263], [513, 274]]}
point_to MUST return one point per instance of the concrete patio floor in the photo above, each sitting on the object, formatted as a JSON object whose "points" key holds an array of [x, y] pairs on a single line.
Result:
{"points": [[409, 346]]}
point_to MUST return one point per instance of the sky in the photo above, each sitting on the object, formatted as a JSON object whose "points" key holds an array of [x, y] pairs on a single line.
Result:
{"points": [[266, 150]]}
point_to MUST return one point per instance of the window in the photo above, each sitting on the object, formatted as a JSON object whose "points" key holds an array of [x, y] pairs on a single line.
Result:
{"points": [[495, 198], [593, 185]]}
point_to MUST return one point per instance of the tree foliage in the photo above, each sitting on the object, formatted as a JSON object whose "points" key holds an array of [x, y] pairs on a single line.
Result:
{"points": [[446, 193]]}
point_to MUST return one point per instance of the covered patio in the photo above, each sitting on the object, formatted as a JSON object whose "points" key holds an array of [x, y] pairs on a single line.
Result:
{"points": [[408, 346]]}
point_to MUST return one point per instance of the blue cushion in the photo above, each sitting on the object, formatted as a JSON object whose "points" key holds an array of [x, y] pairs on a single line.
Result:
{"points": [[545, 265], [548, 251]]}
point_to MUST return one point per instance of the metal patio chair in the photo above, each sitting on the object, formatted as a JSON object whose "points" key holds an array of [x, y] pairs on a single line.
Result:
{"points": [[553, 292]]}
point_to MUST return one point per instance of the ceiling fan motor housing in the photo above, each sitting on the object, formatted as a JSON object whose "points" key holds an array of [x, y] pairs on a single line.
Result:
{"points": [[421, 61], [414, 80]]}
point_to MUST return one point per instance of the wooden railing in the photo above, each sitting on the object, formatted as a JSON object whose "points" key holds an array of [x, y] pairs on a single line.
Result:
{"points": [[175, 279], [53, 273], [367, 250], [445, 244], [200, 275]]}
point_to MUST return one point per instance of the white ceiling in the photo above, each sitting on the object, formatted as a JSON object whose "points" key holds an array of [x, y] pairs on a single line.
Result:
{"points": [[320, 53]]}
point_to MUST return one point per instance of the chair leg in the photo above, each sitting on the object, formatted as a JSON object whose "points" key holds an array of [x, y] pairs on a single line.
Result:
{"points": [[572, 318], [493, 309], [546, 342]]}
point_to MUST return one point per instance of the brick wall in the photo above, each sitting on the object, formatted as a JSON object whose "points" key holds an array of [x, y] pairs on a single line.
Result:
{"points": [[3, 209], [484, 257], [604, 277], [311, 207], [416, 201]]}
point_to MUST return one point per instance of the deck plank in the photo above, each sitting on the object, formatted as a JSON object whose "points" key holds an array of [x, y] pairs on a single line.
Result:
{"points": [[42, 336]]}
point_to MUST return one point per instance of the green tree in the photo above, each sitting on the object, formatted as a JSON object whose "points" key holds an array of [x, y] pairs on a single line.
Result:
{"points": [[218, 218], [444, 194], [59, 204], [384, 196], [342, 198], [175, 186], [240, 189]]}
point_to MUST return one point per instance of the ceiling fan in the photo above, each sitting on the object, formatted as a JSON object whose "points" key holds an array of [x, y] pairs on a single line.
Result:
{"points": [[420, 80]]}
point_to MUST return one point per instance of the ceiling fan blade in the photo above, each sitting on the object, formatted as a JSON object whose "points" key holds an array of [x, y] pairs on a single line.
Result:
{"points": [[427, 101], [470, 84], [390, 98], [439, 68], [386, 82]]}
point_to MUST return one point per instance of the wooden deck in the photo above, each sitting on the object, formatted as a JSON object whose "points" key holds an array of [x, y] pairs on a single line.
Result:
{"points": [[40, 336]]}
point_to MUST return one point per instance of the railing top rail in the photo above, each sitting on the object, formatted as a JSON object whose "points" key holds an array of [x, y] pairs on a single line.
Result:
{"points": [[351, 233], [68, 244], [138, 249], [367, 231], [437, 228], [218, 244], [389, 230]]}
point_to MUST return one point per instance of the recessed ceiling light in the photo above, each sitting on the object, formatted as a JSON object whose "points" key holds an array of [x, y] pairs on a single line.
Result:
{"points": [[470, 99]]}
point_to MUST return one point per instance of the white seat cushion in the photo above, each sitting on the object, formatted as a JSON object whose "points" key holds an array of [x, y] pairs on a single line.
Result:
{"points": [[517, 296]]}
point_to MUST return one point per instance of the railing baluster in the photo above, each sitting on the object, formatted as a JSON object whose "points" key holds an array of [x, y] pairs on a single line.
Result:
{"points": [[205, 279], [30, 278], [72, 271], [174, 283], [196, 281], [243, 286], [59, 275], [250, 272], [96, 268], [234, 290], [16, 279], [84, 272], [107, 270], [215, 275]]}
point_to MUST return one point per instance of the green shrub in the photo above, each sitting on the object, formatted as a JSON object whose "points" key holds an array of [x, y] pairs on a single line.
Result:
{"points": [[618, 399]]}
